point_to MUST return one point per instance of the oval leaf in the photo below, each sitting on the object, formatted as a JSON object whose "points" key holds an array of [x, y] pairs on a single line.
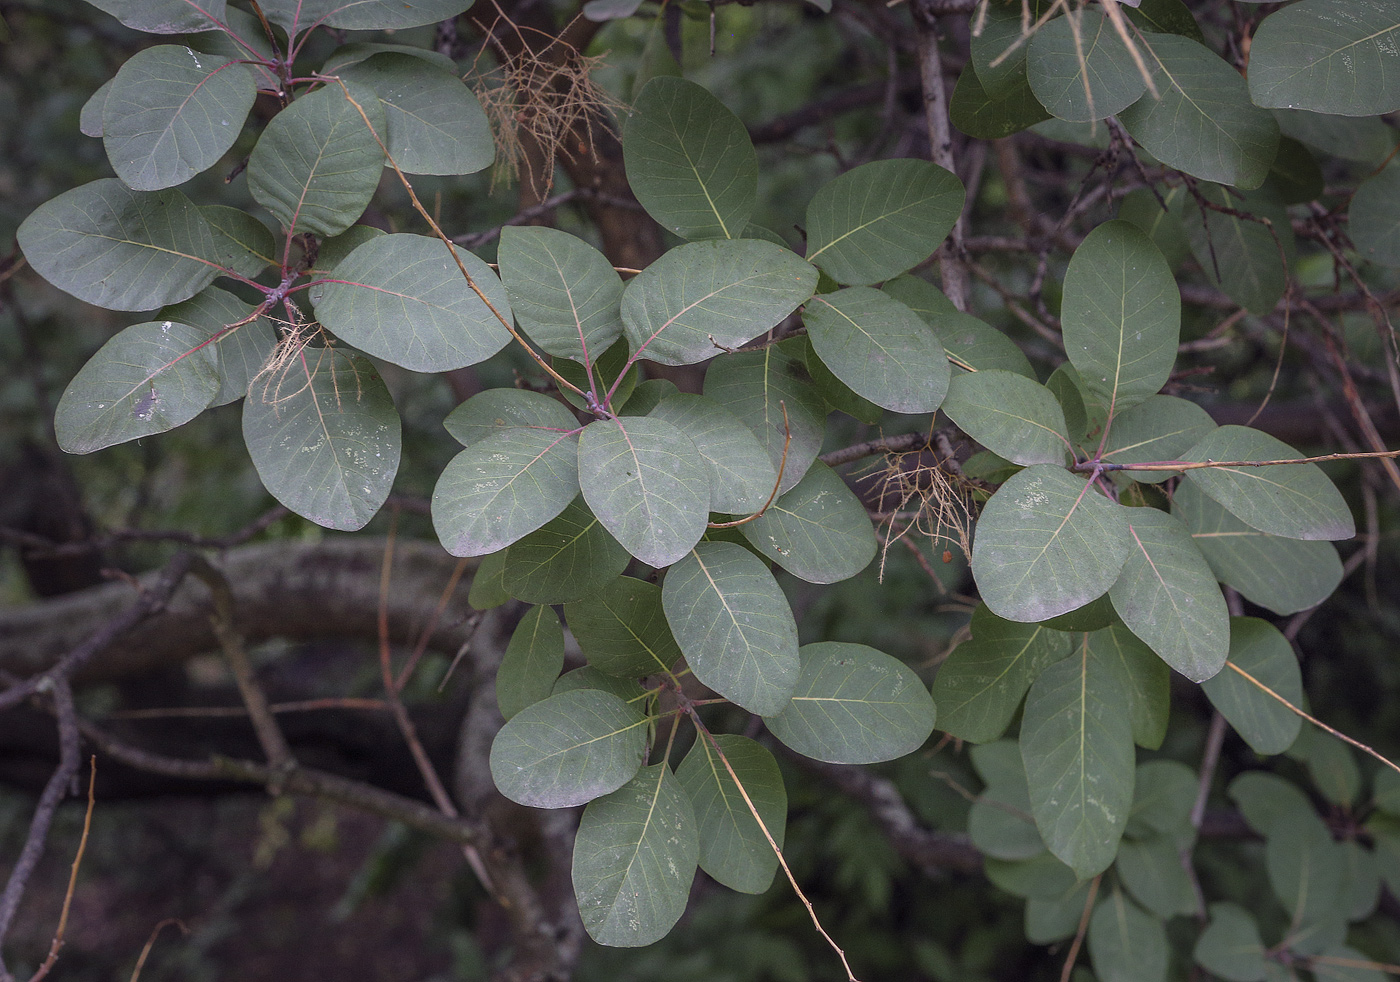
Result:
{"points": [[1204, 122], [622, 629], [707, 297], [1080, 69], [1259, 651], [634, 860], [1142, 676], [741, 475], [689, 160], [734, 625], [531, 663], [1126, 943], [880, 348], [118, 248], [569, 558], [402, 298], [242, 350], [1010, 415], [1374, 218], [1167, 596], [1077, 745], [644, 480], [1298, 501], [733, 848], [504, 487], [173, 113], [1046, 544], [568, 749], [880, 219], [165, 16], [1328, 56], [488, 413], [1230, 946], [1121, 314], [1159, 428], [818, 531], [1239, 254], [317, 164], [324, 437], [854, 705], [148, 379], [241, 242], [564, 292]]}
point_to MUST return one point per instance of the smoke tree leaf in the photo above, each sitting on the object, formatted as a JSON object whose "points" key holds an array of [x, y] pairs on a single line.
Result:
{"points": [[818, 531], [1126, 944], [879, 219], [1327, 56], [242, 243], [634, 859], [733, 848], [1121, 315], [165, 16], [622, 629], [1046, 544], [1009, 414], [706, 297], [568, 749], [1374, 218], [324, 437], [150, 378], [1238, 254], [532, 661], [1159, 428], [1259, 649], [1167, 596], [733, 625], [568, 558], [493, 410], [741, 475], [854, 705], [172, 113], [1080, 69], [689, 160], [880, 348], [1230, 946], [118, 248], [402, 298], [316, 164], [644, 480], [1142, 677], [564, 292], [242, 350], [504, 487]]}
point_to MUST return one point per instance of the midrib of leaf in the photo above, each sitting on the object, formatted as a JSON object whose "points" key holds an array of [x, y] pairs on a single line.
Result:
{"points": [[704, 188], [526, 469], [651, 812], [722, 598], [592, 740], [865, 225], [691, 306], [1194, 104], [873, 340]]}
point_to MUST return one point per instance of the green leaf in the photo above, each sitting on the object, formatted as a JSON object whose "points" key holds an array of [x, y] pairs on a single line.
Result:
{"points": [[771, 393], [1000, 823], [1167, 596], [1374, 218], [1204, 122], [1151, 871], [1240, 256], [818, 531], [588, 677], [1230, 946], [998, 52], [1295, 176], [1269, 802], [1055, 918], [1144, 209], [984, 117], [242, 352], [324, 437], [569, 558], [1293, 500], [317, 164], [1159, 428], [612, 367], [622, 629], [564, 292], [1121, 314], [1165, 17], [568, 749], [1044, 876], [532, 661], [434, 124], [1283, 575], [1010, 415], [880, 348], [1077, 745], [1327, 56], [334, 250], [979, 686], [358, 51], [1343, 963], [165, 16], [733, 848], [1126, 944], [1330, 764], [1143, 678], [360, 15], [837, 394], [741, 475], [854, 705], [1257, 648], [173, 113], [880, 219], [1306, 868], [90, 117], [148, 379], [1080, 69], [1363, 139], [487, 590], [649, 394], [495, 410], [118, 248], [504, 487], [703, 298], [634, 859], [1046, 544], [734, 625], [644, 480], [402, 298], [689, 160], [975, 345], [241, 242]]}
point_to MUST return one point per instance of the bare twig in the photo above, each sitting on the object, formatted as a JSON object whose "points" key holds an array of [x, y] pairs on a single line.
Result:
{"points": [[940, 138], [57, 945]]}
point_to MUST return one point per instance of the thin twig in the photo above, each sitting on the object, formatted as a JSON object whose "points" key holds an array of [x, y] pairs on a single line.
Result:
{"points": [[57, 944], [940, 138], [151, 941], [1083, 929]]}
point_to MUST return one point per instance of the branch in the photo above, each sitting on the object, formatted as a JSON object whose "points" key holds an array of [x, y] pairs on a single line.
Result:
{"points": [[940, 138], [895, 444]]}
